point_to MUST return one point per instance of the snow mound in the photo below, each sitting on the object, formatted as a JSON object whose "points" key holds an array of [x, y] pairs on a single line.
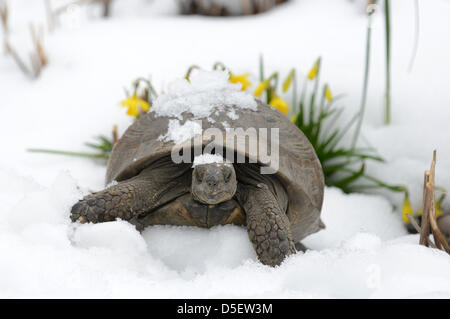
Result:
{"points": [[205, 91], [44, 255], [347, 215]]}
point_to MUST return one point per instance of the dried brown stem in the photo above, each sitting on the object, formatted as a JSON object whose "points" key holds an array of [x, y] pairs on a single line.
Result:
{"points": [[439, 238], [37, 38], [22, 66], [38, 57], [432, 216], [429, 211], [425, 224], [417, 228], [4, 15]]}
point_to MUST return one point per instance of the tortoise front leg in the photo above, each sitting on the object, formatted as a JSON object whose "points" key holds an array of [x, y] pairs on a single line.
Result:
{"points": [[130, 199], [267, 225], [124, 200]]}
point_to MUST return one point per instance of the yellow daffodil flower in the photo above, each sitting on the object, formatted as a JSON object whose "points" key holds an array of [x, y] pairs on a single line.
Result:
{"points": [[280, 104], [134, 104], [261, 88], [314, 70], [407, 209], [245, 83], [288, 81], [328, 94]]}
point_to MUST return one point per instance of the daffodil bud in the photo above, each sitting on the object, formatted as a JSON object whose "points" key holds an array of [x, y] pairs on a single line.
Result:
{"points": [[280, 104], [245, 83], [314, 70], [288, 81], [407, 209], [261, 88], [328, 94]]}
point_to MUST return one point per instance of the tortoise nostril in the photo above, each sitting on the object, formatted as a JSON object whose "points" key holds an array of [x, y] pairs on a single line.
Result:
{"points": [[211, 182]]}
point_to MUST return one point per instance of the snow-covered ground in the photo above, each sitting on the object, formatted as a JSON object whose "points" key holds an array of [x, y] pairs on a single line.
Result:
{"points": [[363, 252]]}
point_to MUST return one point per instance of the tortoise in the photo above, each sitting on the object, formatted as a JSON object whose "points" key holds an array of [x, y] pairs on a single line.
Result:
{"points": [[146, 187]]}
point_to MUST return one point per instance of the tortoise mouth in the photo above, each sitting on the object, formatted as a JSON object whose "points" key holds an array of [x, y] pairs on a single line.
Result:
{"points": [[212, 198]]}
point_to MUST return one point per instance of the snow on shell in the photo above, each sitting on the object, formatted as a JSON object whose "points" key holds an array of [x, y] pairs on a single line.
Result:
{"points": [[207, 159], [202, 95], [178, 132], [199, 96]]}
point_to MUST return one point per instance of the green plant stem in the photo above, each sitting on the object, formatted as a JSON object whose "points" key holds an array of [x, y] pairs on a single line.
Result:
{"points": [[344, 131], [261, 68], [271, 89], [301, 105], [189, 71], [314, 94], [388, 62], [78, 154], [416, 35], [395, 188], [365, 82], [294, 92]]}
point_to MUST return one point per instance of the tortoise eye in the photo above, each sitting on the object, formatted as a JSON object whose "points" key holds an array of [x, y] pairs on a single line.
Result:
{"points": [[228, 174], [198, 176]]}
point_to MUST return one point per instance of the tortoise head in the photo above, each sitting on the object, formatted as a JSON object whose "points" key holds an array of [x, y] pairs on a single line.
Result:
{"points": [[213, 183]]}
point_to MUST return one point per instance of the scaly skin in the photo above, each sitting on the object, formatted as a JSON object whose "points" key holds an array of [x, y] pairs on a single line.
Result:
{"points": [[267, 225], [120, 201], [131, 198]]}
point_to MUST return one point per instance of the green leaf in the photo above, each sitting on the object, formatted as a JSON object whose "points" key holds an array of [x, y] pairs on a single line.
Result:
{"points": [[344, 183]]}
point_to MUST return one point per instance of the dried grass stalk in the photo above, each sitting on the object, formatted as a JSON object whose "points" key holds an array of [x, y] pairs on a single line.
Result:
{"points": [[417, 228], [4, 15], [425, 224], [38, 57], [22, 66], [429, 212]]}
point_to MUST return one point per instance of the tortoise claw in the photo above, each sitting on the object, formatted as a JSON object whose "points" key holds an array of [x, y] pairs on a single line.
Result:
{"points": [[85, 211], [82, 219]]}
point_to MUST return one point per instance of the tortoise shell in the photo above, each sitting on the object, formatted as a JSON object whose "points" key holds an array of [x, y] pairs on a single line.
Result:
{"points": [[299, 169]]}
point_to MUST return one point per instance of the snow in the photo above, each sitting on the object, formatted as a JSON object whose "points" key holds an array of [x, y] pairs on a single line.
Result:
{"points": [[179, 133], [363, 253], [201, 95], [44, 255], [206, 92], [207, 159]]}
